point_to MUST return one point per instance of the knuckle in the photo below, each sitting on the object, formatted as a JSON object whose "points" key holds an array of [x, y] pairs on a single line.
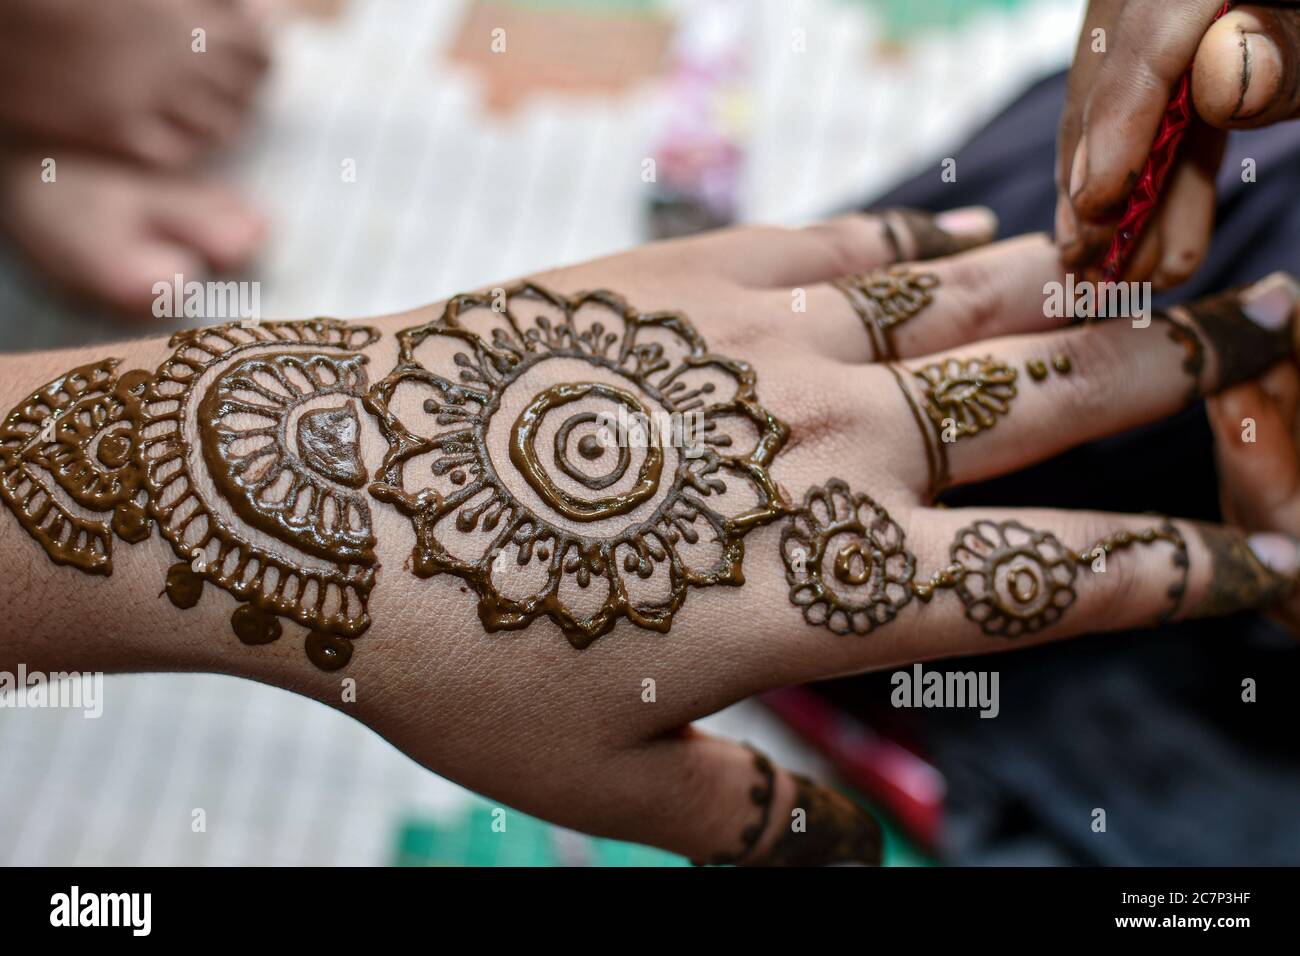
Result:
{"points": [[820, 418], [977, 292], [842, 242]]}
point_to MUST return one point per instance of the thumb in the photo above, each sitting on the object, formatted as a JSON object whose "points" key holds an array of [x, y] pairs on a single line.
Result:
{"points": [[1247, 69], [719, 802]]}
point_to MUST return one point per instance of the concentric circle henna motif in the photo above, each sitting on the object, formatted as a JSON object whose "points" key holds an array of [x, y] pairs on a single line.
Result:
{"points": [[68, 449], [1014, 580], [846, 561], [591, 502], [265, 503]]}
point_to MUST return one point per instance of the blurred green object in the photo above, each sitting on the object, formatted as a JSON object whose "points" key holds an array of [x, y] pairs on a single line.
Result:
{"points": [[903, 19], [527, 841]]}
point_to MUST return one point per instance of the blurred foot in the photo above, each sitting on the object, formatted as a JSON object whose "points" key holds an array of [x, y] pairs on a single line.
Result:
{"points": [[107, 231], [125, 76]]}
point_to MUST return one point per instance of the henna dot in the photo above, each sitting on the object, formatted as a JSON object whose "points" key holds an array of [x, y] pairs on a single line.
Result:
{"points": [[457, 477], [1037, 370], [853, 564], [254, 626], [130, 523], [328, 651], [184, 586], [590, 447], [543, 554], [115, 449], [1024, 586], [1062, 364]]}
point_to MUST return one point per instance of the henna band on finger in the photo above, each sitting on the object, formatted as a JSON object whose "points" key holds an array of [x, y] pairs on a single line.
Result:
{"points": [[886, 299], [929, 240], [936, 454]]}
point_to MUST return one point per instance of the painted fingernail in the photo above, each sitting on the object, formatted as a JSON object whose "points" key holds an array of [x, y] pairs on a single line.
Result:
{"points": [[975, 225], [1067, 227], [1261, 75], [1079, 168], [1271, 302], [1279, 553]]}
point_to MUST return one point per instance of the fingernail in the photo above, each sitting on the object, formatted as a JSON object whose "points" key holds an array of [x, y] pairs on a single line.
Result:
{"points": [[1079, 169], [1067, 227], [1279, 553], [970, 224], [1261, 74], [1271, 301]]}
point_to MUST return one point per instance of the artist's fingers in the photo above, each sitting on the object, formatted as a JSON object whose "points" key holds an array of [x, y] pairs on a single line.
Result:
{"points": [[1011, 402], [716, 801], [921, 308], [1186, 216], [1151, 47], [1023, 575], [1089, 54], [1256, 456], [1179, 236], [1247, 68], [770, 257]]}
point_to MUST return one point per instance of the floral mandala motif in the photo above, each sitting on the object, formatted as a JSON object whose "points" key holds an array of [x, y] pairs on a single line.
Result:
{"points": [[1016, 581], [567, 522], [846, 561]]}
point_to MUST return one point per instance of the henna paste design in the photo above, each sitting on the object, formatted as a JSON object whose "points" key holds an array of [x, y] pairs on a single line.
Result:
{"points": [[1037, 368], [567, 522], [886, 299], [836, 830], [846, 561], [929, 241], [1238, 580], [1244, 350], [833, 828], [1184, 335], [936, 450], [1016, 581], [761, 796], [971, 393], [70, 449], [265, 504]]}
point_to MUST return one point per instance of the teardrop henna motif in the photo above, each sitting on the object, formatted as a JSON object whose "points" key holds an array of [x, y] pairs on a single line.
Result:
{"points": [[263, 503]]}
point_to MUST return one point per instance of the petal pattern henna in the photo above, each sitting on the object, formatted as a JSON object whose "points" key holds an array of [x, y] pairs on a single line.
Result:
{"points": [[885, 299], [846, 561], [583, 507], [1016, 581], [849, 569], [264, 504], [70, 448], [966, 395]]}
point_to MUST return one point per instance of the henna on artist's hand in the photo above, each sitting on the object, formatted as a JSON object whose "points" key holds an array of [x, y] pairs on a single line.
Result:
{"points": [[449, 508]]}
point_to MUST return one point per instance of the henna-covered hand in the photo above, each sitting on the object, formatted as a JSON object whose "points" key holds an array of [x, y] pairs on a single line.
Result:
{"points": [[545, 526]]}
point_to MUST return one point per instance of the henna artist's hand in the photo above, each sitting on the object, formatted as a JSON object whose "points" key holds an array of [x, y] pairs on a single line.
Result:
{"points": [[431, 500], [1257, 445], [1246, 67]]}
